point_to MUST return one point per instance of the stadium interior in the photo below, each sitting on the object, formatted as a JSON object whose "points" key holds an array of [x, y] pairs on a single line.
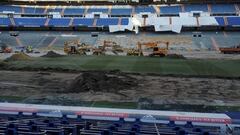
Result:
{"points": [[105, 67]]}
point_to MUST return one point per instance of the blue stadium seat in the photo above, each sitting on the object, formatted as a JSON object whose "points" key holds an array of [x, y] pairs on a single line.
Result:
{"points": [[39, 10], [107, 21], [15, 9], [5, 22], [121, 11], [74, 11], [30, 21], [220, 21], [223, 8], [125, 21], [59, 22], [83, 22], [233, 20], [150, 9], [196, 7], [170, 10], [29, 10], [103, 10]]}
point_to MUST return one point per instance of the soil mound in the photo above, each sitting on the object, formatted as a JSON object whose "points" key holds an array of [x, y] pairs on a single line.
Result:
{"points": [[18, 56], [52, 54], [101, 82]]}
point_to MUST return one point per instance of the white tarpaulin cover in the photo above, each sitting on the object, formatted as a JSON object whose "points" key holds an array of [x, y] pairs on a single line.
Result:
{"points": [[207, 21]]}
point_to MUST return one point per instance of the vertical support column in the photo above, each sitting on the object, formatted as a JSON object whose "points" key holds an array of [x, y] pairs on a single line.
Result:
{"points": [[225, 21], [119, 20], [209, 8], [46, 23]]}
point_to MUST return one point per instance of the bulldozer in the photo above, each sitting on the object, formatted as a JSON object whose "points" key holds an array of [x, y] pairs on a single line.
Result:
{"points": [[75, 47], [154, 47], [5, 49]]}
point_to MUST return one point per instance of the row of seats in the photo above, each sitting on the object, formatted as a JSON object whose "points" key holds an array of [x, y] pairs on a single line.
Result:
{"points": [[64, 22], [214, 8], [230, 21], [37, 125]]}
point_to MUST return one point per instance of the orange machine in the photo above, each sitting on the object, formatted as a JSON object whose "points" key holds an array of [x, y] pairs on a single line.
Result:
{"points": [[230, 50], [155, 46], [5, 49]]}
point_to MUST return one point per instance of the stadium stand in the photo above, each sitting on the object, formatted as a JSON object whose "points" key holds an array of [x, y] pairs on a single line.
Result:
{"points": [[107, 21], [233, 21], [121, 11], [59, 22], [83, 22], [223, 8], [170, 9], [15, 9], [196, 7], [102, 10], [124, 21], [5, 22], [42, 119], [220, 21], [74, 11], [140, 9], [36, 22]]}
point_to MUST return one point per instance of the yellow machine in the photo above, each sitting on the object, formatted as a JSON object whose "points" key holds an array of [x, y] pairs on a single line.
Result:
{"points": [[115, 48], [155, 48], [75, 47]]}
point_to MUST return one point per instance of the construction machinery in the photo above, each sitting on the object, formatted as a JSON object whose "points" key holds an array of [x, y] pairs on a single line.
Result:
{"points": [[75, 47], [108, 45], [230, 50], [5, 49], [153, 49]]}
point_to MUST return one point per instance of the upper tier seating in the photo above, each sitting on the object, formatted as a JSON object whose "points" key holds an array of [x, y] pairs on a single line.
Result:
{"points": [[74, 11], [107, 21], [32, 10], [103, 10], [59, 22], [30, 21], [54, 10], [170, 9], [125, 21], [121, 11], [140, 9], [5, 22], [233, 21], [196, 7], [220, 21], [15, 9], [83, 22], [223, 8]]}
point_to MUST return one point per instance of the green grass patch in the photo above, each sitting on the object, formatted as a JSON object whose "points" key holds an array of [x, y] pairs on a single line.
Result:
{"points": [[223, 68]]}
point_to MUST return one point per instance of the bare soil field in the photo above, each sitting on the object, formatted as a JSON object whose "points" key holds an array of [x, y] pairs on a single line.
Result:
{"points": [[116, 86]]}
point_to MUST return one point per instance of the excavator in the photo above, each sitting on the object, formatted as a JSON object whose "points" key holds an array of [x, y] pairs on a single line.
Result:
{"points": [[155, 49], [75, 47]]}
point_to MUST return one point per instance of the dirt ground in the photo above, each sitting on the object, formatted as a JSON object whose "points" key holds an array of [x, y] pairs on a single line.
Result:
{"points": [[118, 87]]}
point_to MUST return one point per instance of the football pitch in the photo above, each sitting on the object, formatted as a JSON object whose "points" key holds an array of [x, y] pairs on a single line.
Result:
{"points": [[132, 64]]}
